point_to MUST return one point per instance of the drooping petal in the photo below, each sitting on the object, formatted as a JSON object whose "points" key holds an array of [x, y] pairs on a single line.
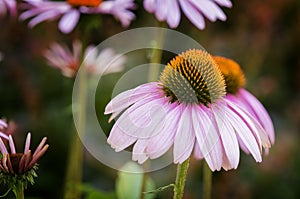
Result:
{"points": [[162, 142], [173, 17], [150, 5], [245, 134], [68, 22], [255, 127], [209, 9], [227, 133], [208, 138], [127, 98], [138, 122], [225, 3], [259, 112], [192, 14], [138, 153], [185, 137]]}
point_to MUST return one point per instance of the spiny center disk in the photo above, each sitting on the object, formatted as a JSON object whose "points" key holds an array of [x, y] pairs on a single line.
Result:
{"points": [[193, 77], [91, 3], [232, 72]]}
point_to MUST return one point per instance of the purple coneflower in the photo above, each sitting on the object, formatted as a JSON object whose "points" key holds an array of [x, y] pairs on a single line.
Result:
{"points": [[8, 6], [19, 169], [69, 11], [19, 163], [95, 61], [169, 10], [235, 83], [186, 109]]}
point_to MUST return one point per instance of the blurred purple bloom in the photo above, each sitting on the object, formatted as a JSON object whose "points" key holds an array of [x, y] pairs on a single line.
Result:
{"points": [[8, 6], [95, 61], [43, 10], [61, 57], [103, 62], [194, 10]]}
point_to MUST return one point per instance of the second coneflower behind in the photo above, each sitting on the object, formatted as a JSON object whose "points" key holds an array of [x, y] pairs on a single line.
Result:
{"points": [[186, 109], [236, 93]]}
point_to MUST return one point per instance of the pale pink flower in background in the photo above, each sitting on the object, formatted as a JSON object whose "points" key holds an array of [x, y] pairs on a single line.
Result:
{"points": [[95, 61], [186, 109], [236, 93], [194, 10], [103, 62], [69, 14], [8, 6], [13, 162], [61, 57]]}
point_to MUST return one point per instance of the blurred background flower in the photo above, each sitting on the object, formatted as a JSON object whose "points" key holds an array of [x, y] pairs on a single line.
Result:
{"points": [[195, 11], [95, 61], [69, 11], [8, 7]]}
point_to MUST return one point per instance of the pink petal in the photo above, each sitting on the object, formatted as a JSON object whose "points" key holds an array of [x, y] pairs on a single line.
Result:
{"points": [[173, 17], [227, 133], [162, 142], [162, 9], [127, 98], [192, 14], [11, 144], [150, 5], [119, 140], [2, 148], [225, 3], [244, 134], [257, 130], [209, 9], [144, 119], [27, 143], [68, 22], [48, 15], [259, 112], [138, 153], [208, 138], [185, 137]]}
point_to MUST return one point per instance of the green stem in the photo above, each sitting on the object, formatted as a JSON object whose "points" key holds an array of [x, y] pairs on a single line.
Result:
{"points": [[74, 168], [207, 181], [19, 190], [180, 179]]}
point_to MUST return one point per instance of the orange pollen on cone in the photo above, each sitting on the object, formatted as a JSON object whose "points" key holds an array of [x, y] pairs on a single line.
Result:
{"points": [[90, 3], [232, 72]]}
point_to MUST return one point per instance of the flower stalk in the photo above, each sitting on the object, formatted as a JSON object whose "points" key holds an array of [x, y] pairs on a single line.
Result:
{"points": [[19, 190], [207, 181], [180, 179], [74, 169]]}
